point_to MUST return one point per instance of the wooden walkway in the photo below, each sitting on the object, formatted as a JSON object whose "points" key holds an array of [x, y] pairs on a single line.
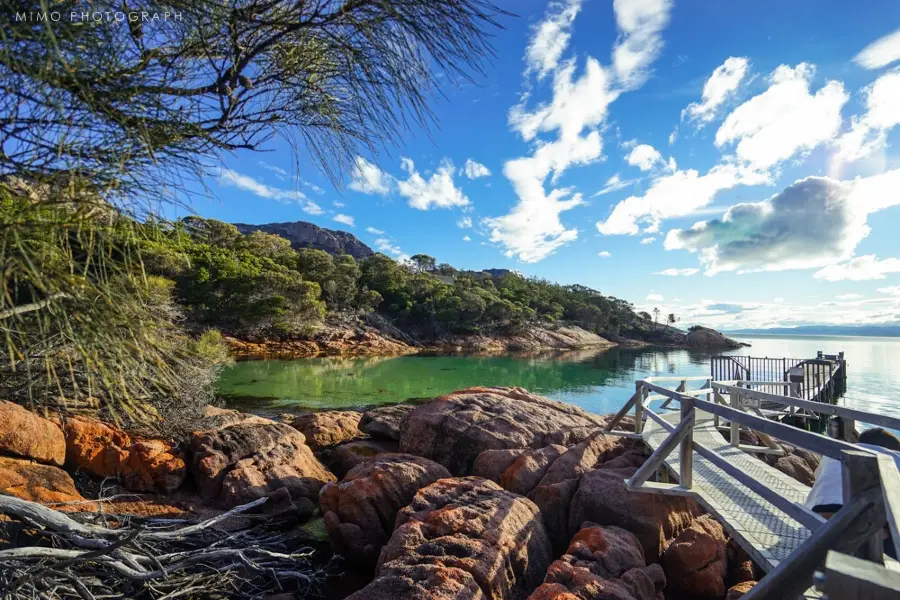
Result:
{"points": [[767, 533]]}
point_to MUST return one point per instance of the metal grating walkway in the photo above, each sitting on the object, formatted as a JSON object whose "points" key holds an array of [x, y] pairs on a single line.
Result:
{"points": [[767, 533]]}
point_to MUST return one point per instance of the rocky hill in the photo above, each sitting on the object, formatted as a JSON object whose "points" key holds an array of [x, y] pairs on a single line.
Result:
{"points": [[307, 235]]}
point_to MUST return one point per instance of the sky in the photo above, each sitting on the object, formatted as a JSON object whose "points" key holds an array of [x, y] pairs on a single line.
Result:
{"points": [[735, 163]]}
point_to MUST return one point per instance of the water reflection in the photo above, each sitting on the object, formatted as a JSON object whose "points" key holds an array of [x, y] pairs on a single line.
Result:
{"points": [[598, 381]]}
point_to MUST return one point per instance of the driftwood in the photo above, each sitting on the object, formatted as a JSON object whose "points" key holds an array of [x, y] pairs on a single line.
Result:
{"points": [[67, 557]]}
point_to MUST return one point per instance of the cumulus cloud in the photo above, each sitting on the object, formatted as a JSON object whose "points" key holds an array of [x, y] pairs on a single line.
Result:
{"points": [[640, 24], [437, 191], [723, 82], [533, 229], [231, 178], [464, 223], [467, 238], [848, 296], [367, 178], [644, 157], [815, 222], [676, 195], [868, 132], [345, 219], [614, 184], [386, 246], [678, 272], [474, 170], [550, 38], [893, 290], [673, 137], [648, 240], [881, 52], [604, 254], [313, 187], [860, 268], [654, 298], [785, 120], [374, 231]]}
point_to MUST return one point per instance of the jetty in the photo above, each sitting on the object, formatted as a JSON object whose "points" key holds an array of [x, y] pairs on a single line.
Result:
{"points": [[693, 427]]}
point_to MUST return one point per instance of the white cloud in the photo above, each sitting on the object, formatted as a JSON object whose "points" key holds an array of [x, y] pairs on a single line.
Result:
{"points": [[860, 268], [678, 272], [673, 136], [648, 240], [474, 170], [369, 179], [604, 254], [464, 223], [868, 133], [893, 290], [644, 157], [723, 82], [437, 191], [279, 172], [232, 178], [314, 187], [654, 298], [785, 120], [815, 222], [848, 296], [533, 229], [337, 204], [345, 219], [614, 184], [374, 231], [551, 37], [640, 24], [467, 238], [387, 246], [881, 52], [676, 195]]}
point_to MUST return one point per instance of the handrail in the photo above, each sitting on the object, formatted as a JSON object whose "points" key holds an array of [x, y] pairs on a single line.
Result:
{"points": [[871, 480]]}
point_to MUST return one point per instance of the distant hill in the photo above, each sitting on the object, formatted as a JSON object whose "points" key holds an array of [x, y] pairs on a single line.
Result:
{"points": [[307, 235], [861, 330]]}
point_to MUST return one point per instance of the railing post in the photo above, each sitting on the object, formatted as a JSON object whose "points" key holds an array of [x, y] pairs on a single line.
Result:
{"points": [[687, 444], [639, 396], [735, 426], [860, 473]]}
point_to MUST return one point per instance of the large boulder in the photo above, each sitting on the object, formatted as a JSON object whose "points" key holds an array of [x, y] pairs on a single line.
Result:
{"points": [[95, 447], [103, 450], [385, 422], [35, 482], [25, 434], [696, 562], [602, 498], [604, 563], [795, 466], [459, 535], [704, 338], [153, 466], [240, 463], [217, 418], [454, 429], [343, 457], [328, 428], [360, 511]]}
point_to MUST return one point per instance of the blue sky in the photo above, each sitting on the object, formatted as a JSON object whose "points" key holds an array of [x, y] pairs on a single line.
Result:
{"points": [[733, 162]]}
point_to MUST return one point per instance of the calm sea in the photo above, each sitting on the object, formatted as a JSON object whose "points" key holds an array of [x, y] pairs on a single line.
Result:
{"points": [[597, 381]]}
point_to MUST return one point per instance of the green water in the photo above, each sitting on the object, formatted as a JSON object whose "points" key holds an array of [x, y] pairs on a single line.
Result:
{"points": [[597, 381]]}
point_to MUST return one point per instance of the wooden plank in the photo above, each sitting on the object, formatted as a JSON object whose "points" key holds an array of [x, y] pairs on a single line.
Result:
{"points": [[850, 577], [666, 489], [688, 413], [622, 412], [640, 395], [798, 437], [662, 451], [860, 475]]}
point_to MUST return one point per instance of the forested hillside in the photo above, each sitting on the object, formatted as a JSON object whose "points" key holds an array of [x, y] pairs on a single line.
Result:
{"points": [[256, 286]]}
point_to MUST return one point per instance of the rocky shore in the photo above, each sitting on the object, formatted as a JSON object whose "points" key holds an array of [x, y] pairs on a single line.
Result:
{"points": [[484, 493], [364, 340]]}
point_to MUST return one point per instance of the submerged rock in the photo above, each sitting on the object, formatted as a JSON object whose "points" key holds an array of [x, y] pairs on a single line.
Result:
{"points": [[360, 511], [454, 429], [25, 434], [240, 463], [462, 538]]}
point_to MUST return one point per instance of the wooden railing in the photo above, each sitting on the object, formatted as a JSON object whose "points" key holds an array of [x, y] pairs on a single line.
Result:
{"points": [[871, 483]]}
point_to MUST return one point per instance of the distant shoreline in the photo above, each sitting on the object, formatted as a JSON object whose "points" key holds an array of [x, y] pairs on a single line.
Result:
{"points": [[812, 335]]}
